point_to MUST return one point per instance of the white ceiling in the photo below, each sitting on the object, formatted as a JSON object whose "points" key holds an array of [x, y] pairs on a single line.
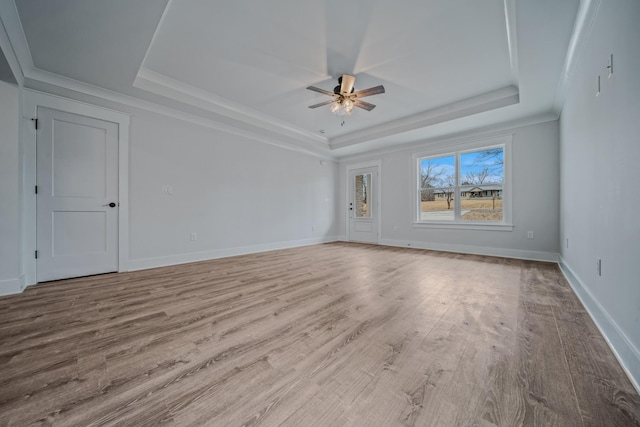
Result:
{"points": [[447, 65]]}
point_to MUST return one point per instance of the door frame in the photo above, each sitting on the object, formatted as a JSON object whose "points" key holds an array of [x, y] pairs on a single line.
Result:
{"points": [[31, 100], [377, 191]]}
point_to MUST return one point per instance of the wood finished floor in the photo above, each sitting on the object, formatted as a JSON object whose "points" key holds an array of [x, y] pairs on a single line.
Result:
{"points": [[335, 334]]}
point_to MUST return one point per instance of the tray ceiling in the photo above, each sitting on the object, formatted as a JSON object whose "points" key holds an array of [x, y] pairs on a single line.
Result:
{"points": [[445, 64]]}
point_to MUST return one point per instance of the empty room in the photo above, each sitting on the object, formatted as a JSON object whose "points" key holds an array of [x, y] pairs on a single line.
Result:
{"points": [[319, 213]]}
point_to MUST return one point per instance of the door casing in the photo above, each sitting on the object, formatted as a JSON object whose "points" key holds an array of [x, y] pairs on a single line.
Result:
{"points": [[377, 192], [31, 100], [77, 229]]}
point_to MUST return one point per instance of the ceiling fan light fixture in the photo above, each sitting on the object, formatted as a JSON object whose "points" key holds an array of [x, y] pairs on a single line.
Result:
{"points": [[343, 107], [347, 104]]}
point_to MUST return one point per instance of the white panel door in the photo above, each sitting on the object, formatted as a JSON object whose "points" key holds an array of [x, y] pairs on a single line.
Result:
{"points": [[77, 199], [363, 206]]}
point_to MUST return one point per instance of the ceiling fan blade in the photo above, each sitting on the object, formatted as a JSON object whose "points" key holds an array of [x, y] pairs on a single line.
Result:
{"points": [[331, 101], [317, 89], [347, 84], [368, 92], [363, 105]]}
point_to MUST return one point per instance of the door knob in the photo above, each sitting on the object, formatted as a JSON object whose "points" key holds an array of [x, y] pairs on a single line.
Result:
{"points": [[111, 205]]}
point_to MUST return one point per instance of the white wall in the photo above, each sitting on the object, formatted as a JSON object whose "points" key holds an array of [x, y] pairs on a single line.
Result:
{"points": [[237, 195], [600, 150], [535, 196], [9, 189]]}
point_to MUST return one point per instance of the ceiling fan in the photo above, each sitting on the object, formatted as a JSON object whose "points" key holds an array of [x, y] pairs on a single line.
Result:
{"points": [[344, 96]]}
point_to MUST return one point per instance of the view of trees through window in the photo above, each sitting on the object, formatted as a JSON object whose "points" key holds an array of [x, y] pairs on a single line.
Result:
{"points": [[473, 180], [362, 191]]}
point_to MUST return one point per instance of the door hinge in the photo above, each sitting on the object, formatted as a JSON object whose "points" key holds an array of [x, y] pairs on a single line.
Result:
{"points": [[36, 189], [35, 122], [36, 254]]}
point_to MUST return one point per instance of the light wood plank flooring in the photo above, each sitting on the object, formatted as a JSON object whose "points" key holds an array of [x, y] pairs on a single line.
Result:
{"points": [[329, 335]]}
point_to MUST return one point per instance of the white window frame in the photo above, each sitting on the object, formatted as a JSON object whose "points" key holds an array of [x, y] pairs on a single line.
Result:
{"points": [[504, 141]]}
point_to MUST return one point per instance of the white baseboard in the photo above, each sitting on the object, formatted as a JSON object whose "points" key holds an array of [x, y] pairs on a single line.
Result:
{"points": [[624, 350], [11, 286], [475, 250], [145, 263]]}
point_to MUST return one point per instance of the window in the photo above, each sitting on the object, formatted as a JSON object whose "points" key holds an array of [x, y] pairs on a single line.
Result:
{"points": [[466, 187], [362, 191]]}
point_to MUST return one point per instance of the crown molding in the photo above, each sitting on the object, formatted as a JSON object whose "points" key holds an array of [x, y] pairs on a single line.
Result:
{"points": [[276, 132], [512, 38], [9, 54], [16, 43], [587, 12], [160, 84], [167, 6], [475, 134], [491, 100], [477, 104], [13, 41], [168, 87], [6, 52], [66, 83]]}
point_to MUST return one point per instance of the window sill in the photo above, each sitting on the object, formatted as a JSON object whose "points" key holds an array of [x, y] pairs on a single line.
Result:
{"points": [[460, 226]]}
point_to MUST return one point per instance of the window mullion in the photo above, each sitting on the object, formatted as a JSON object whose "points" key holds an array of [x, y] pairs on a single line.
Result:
{"points": [[456, 191]]}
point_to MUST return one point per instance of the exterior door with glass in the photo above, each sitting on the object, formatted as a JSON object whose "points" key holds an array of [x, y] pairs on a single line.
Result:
{"points": [[363, 206]]}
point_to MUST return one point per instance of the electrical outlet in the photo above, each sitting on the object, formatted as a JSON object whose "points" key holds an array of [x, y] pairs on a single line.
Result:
{"points": [[193, 237], [530, 235]]}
